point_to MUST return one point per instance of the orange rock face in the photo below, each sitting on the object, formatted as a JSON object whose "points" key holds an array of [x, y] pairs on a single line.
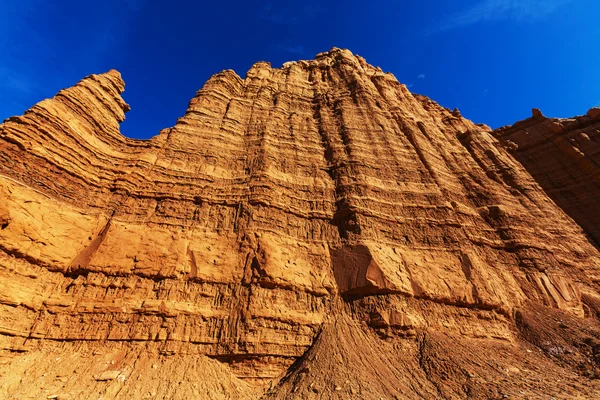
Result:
{"points": [[313, 231], [563, 155]]}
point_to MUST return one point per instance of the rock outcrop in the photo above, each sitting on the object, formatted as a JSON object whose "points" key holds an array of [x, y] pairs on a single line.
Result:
{"points": [[312, 231], [563, 155]]}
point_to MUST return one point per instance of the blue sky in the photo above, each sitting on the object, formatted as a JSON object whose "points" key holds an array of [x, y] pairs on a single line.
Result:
{"points": [[493, 59]]}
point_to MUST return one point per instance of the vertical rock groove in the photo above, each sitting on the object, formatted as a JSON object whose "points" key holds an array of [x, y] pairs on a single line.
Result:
{"points": [[563, 155], [314, 230]]}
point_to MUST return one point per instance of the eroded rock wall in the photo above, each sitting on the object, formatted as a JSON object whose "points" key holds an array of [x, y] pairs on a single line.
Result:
{"points": [[563, 155], [298, 207]]}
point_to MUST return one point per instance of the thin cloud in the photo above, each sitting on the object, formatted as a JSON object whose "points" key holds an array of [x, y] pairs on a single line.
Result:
{"points": [[421, 76], [294, 49], [14, 82], [33, 23], [501, 10], [290, 14], [276, 15]]}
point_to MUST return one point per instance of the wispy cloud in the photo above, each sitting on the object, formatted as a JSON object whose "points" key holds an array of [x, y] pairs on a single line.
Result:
{"points": [[290, 14], [500, 10], [294, 49], [275, 15], [421, 76], [45, 48]]}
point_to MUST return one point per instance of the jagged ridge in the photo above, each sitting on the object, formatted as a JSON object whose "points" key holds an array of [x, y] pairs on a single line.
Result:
{"points": [[319, 200], [563, 155]]}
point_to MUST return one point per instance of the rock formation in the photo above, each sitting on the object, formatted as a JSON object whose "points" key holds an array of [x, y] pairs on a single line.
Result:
{"points": [[563, 155], [310, 231]]}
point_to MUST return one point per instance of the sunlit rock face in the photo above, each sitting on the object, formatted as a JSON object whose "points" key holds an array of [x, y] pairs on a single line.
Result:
{"points": [[310, 231]]}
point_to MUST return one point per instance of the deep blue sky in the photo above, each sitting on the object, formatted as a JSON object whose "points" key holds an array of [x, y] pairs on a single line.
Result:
{"points": [[493, 59]]}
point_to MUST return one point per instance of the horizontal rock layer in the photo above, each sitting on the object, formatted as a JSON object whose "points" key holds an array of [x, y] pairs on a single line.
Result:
{"points": [[308, 221], [563, 155]]}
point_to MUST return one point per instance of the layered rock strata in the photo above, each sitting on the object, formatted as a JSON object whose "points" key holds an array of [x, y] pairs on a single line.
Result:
{"points": [[563, 155], [310, 231]]}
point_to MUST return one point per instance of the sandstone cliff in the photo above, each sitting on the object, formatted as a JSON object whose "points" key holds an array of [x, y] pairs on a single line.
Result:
{"points": [[312, 231], [563, 155]]}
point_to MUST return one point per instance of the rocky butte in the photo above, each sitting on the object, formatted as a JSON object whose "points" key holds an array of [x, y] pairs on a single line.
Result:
{"points": [[563, 155], [310, 231]]}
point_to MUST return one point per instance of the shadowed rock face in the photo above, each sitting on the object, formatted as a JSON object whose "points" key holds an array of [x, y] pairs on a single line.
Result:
{"points": [[309, 231], [563, 155]]}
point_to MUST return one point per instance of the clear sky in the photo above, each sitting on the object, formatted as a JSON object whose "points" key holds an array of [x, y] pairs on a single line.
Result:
{"points": [[493, 59]]}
